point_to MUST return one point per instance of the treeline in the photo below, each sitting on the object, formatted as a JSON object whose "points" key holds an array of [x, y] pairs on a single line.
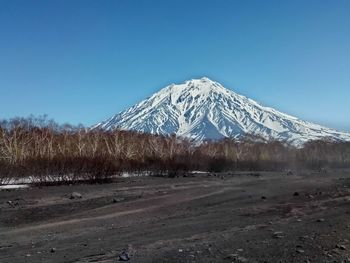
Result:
{"points": [[43, 151]]}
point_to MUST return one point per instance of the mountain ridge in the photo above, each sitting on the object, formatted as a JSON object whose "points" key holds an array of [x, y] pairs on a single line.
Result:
{"points": [[201, 109]]}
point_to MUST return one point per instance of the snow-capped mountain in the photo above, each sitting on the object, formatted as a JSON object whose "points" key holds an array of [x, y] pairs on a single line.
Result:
{"points": [[202, 109]]}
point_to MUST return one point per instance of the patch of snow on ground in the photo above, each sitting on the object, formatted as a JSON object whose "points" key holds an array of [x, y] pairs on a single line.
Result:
{"points": [[13, 186]]}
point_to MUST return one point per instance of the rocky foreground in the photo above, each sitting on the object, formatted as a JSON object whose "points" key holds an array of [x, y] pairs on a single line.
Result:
{"points": [[230, 217]]}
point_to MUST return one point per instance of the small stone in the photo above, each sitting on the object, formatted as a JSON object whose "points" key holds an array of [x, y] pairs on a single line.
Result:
{"points": [[231, 256], [300, 251], [180, 250], [296, 194], [241, 260], [341, 247], [124, 256], [53, 250], [278, 234], [75, 195], [320, 220], [335, 251], [117, 200], [263, 197]]}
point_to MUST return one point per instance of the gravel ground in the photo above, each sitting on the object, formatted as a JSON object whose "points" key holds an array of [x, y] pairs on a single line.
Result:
{"points": [[226, 217]]}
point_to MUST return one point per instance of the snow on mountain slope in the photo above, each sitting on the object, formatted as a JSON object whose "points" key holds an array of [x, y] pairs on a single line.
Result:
{"points": [[202, 109]]}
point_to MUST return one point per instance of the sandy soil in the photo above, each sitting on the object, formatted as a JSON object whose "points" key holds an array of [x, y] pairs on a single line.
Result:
{"points": [[232, 217]]}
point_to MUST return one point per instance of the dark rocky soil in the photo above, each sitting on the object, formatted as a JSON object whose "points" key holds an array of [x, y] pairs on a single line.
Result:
{"points": [[232, 217]]}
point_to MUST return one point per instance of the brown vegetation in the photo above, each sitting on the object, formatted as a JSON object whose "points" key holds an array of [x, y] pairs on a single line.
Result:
{"points": [[40, 149]]}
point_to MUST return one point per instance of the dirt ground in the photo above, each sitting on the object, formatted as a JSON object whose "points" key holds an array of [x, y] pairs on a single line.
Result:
{"points": [[231, 217]]}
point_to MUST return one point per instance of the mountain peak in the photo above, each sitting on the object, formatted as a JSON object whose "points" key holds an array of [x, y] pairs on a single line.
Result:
{"points": [[201, 109], [202, 79], [205, 79], [202, 85]]}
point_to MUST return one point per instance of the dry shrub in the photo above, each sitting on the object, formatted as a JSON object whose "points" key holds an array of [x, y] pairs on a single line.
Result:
{"points": [[46, 152]]}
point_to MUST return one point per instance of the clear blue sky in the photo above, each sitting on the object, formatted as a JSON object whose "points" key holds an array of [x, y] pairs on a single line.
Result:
{"points": [[83, 61]]}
